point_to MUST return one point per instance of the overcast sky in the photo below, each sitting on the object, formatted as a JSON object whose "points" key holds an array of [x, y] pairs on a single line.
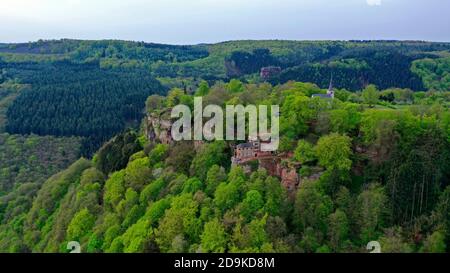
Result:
{"points": [[206, 21]]}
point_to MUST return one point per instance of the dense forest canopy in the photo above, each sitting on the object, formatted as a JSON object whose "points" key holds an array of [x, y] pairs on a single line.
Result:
{"points": [[384, 69], [372, 163], [88, 50], [67, 99], [80, 100], [370, 168], [244, 58], [23, 158]]}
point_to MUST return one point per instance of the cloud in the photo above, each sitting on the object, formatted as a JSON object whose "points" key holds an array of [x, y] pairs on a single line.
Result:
{"points": [[374, 2]]}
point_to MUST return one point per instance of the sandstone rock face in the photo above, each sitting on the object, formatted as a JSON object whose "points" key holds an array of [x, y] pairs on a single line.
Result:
{"points": [[158, 127], [271, 165], [287, 174], [289, 178]]}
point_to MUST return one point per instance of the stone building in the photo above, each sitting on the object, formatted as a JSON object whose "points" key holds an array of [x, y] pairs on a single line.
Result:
{"points": [[274, 163], [269, 72], [249, 151]]}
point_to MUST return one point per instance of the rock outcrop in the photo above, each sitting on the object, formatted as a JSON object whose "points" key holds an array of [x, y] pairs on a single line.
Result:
{"points": [[158, 127]]}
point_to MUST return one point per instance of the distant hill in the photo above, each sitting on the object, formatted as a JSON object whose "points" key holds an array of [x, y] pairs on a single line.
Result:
{"points": [[354, 63]]}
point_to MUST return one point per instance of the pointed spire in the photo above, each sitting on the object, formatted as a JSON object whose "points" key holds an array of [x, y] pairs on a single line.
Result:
{"points": [[330, 88], [330, 91]]}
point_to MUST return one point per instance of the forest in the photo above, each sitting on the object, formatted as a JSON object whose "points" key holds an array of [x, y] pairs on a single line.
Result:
{"points": [[370, 168], [77, 163], [81, 100], [66, 99]]}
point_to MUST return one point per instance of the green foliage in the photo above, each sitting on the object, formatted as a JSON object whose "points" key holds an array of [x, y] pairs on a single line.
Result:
{"points": [[208, 156], [251, 238], [125, 205], [68, 99], [304, 153], [305, 171], [229, 194], [94, 245], [152, 191], [214, 177], [177, 96], [156, 211], [154, 103], [203, 89], [338, 229], [435, 243], [434, 72], [114, 189], [373, 121], [334, 151], [354, 64], [312, 208], [192, 185], [46, 205], [179, 223], [235, 86], [158, 154], [180, 156], [138, 173], [138, 155], [136, 238], [420, 167], [80, 226], [252, 203], [133, 215], [8, 93], [393, 242], [145, 209], [114, 155], [370, 95], [296, 114], [345, 120], [214, 238], [33, 159], [385, 167], [90, 177], [226, 196], [372, 212], [275, 196]]}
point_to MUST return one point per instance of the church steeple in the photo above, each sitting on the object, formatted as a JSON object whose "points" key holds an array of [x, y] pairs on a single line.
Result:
{"points": [[331, 83], [330, 91]]}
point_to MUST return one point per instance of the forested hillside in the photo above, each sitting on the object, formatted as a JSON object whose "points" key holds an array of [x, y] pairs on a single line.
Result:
{"points": [[369, 169], [387, 63], [435, 73], [33, 159], [65, 99], [386, 69], [372, 163], [8, 93], [25, 163]]}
